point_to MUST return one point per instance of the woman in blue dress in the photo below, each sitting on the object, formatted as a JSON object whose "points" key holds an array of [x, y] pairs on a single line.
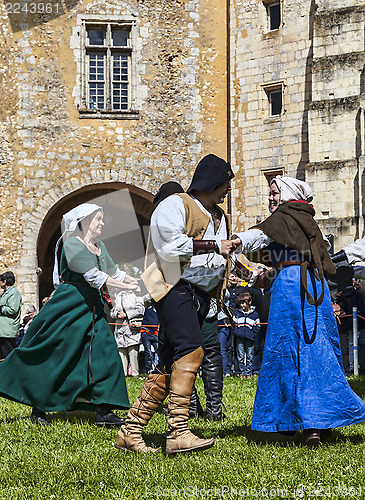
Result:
{"points": [[302, 385]]}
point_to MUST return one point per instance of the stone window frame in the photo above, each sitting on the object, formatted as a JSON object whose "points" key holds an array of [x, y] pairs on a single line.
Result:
{"points": [[266, 175], [265, 91], [264, 7], [268, 4], [107, 21], [271, 173]]}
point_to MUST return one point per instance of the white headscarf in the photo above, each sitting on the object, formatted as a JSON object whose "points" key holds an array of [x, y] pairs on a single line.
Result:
{"points": [[292, 189], [69, 223]]}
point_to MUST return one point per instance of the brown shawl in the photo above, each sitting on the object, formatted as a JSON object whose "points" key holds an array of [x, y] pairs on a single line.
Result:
{"points": [[292, 225]]}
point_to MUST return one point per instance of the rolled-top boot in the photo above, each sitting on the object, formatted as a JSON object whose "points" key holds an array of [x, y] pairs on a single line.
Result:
{"points": [[180, 438], [153, 393]]}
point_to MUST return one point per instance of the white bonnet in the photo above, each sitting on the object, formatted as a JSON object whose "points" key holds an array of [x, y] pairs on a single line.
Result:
{"points": [[69, 224], [292, 189]]}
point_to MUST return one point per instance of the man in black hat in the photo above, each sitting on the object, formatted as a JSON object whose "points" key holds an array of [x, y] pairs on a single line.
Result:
{"points": [[189, 245]]}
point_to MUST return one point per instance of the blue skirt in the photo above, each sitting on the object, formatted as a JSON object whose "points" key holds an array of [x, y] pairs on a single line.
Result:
{"points": [[302, 384]]}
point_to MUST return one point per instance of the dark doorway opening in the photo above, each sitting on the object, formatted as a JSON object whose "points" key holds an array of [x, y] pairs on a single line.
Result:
{"points": [[127, 212]]}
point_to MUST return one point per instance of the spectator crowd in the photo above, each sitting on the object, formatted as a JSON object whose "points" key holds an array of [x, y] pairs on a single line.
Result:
{"points": [[241, 326]]}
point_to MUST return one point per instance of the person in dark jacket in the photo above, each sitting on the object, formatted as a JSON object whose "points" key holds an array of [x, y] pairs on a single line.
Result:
{"points": [[211, 370], [245, 330], [225, 329], [347, 299], [261, 301], [149, 334]]}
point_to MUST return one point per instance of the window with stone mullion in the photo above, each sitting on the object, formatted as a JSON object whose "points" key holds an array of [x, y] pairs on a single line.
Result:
{"points": [[108, 54]]}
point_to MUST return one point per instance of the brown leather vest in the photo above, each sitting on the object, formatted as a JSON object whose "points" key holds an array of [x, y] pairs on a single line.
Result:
{"points": [[159, 275]]}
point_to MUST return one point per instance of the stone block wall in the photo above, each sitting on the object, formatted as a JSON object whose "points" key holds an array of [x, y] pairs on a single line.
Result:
{"points": [[317, 57], [261, 59], [47, 152], [336, 121]]}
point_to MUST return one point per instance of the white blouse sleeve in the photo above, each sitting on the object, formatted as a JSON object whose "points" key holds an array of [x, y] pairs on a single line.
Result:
{"points": [[355, 251], [167, 230], [95, 277], [119, 275], [251, 240]]}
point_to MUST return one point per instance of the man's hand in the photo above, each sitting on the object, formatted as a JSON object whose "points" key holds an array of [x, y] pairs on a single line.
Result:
{"points": [[228, 246]]}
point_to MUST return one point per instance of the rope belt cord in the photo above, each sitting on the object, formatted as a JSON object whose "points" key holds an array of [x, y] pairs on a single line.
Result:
{"points": [[80, 283]]}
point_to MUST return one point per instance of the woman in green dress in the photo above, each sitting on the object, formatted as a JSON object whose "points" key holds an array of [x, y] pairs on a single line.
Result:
{"points": [[68, 359]]}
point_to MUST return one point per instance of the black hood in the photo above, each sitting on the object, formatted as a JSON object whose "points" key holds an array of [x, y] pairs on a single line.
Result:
{"points": [[210, 174], [166, 190]]}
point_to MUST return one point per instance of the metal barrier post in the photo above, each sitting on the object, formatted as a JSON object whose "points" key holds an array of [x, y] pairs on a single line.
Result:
{"points": [[355, 343]]}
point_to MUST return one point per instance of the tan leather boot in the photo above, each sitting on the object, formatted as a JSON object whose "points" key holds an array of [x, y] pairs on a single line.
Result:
{"points": [[180, 438], [153, 393]]}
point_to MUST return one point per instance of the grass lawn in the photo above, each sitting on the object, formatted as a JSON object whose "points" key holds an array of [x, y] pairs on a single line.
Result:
{"points": [[73, 459]]}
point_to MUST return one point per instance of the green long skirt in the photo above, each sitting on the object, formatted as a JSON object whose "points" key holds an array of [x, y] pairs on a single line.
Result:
{"points": [[51, 370]]}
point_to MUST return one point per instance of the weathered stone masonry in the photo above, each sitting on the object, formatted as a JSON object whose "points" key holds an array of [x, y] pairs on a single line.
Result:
{"points": [[48, 153]]}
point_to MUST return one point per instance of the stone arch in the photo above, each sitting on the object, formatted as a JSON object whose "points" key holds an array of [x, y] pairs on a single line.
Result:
{"points": [[44, 229]]}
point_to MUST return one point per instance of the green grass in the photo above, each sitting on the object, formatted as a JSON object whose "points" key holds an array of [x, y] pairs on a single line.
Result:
{"points": [[73, 459]]}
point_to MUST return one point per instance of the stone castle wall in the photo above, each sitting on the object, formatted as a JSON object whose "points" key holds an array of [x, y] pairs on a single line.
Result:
{"points": [[261, 59], [47, 152], [194, 94], [317, 56], [336, 118]]}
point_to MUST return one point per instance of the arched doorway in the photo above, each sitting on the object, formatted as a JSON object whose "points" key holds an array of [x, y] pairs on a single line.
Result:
{"points": [[127, 211]]}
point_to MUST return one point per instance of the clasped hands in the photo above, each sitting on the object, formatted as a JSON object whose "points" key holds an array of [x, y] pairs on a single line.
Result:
{"points": [[229, 246]]}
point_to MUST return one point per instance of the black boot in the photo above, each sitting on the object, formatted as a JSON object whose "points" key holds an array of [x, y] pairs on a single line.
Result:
{"points": [[105, 417], [39, 417], [212, 374], [195, 408]]}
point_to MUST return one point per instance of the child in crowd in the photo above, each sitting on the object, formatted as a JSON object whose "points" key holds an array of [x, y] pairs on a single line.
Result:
{"points": [[149, 334], [244, 332], [128, 311]]}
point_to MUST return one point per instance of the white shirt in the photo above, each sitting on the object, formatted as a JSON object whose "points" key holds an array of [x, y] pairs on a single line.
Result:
{"points": [[252, 240], [355, 251], [173, 245]]}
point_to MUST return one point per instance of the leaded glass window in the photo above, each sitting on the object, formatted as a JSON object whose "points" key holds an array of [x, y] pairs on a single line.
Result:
{"points": [[108, 55]]}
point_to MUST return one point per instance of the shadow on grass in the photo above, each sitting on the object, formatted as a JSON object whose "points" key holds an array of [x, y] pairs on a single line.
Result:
{"points": [[281, 440], [358, 385], [73, 417], [258, 438], [12, 420]]}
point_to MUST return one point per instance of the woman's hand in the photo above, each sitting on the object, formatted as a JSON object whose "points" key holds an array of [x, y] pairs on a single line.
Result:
{"points": [[122, 285], [130, 279], [263, 278]]}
